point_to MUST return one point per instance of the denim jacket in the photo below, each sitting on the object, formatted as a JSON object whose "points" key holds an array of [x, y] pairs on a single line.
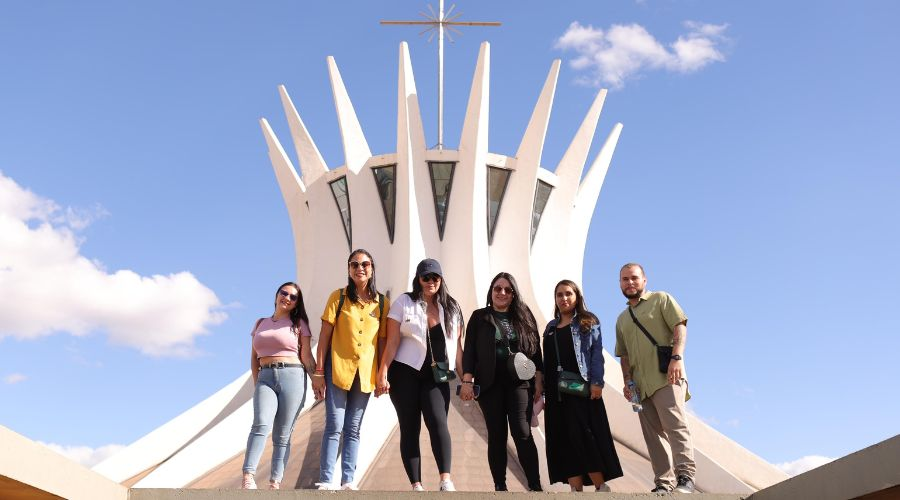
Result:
{"points": [[588, 350]]}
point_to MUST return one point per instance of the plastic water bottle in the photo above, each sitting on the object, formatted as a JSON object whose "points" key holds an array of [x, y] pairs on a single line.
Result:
{"points": [[635, 397]]}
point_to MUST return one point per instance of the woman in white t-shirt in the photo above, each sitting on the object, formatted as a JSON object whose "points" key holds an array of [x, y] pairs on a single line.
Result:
{"points": [[279, 344], [423, 333]]}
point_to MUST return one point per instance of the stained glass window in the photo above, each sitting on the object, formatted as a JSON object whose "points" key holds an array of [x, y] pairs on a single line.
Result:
{"points": [[441, 182], [541, 195], [385, 178], [342, 198], [497, 180]]}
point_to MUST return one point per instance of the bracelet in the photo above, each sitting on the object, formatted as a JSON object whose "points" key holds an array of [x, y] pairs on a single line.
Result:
{"points": [[318, 375], [467, 382]]}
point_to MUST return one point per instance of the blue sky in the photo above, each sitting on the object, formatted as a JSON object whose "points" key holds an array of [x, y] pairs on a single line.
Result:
{"points": [[756, 179]]}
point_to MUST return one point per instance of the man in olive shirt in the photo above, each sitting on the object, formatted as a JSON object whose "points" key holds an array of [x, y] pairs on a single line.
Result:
{"points": [[662, 394]]}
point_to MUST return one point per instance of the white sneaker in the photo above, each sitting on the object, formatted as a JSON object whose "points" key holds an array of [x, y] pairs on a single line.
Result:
{"points": [[349, 487], [326, 487], [603, 487], [418, 487], [248, 482], [447, 485]]}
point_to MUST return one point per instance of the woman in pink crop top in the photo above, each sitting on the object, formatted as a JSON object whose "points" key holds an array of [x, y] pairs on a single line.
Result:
{"points": [[279, 359]]}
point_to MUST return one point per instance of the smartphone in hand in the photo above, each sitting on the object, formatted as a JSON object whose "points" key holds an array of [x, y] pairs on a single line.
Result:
{"points": [[476, 389]]}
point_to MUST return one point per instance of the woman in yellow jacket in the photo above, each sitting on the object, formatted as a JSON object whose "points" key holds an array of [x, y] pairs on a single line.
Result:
{"points": [[350, 343]]}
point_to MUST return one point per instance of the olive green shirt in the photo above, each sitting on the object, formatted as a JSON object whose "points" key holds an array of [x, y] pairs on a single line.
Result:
{"points": [[659, 313]]}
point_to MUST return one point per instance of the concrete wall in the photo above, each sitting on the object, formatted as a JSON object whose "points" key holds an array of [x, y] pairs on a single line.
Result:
{"points": [[35, 465], [866, 472]]}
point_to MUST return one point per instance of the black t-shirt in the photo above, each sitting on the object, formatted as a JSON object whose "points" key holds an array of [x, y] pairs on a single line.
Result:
{"points": [[436, 339]]}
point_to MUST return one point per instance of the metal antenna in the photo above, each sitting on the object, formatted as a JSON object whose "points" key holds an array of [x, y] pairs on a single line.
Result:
{"points": [[439, 22]]}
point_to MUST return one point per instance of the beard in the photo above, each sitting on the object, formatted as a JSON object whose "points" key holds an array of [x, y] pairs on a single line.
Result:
{"points": [[636, 295]]}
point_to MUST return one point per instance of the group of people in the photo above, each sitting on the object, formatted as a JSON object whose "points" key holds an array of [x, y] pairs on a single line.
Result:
{"points": [[412, 348]]}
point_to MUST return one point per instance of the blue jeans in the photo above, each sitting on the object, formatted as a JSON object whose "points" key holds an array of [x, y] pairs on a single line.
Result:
{"points": [[277, 400], [344, 412]]}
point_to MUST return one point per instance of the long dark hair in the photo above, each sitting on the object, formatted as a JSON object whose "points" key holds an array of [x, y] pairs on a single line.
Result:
{"points": [[299, 311], [522, 319], [443, 297], [586, 319], [351, 285]]}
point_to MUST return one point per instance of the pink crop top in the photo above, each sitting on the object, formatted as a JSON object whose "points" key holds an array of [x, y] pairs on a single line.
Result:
{"points": [[275, 338]]}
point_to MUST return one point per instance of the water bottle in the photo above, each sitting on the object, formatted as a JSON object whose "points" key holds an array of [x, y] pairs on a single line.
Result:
{"points": [[635, 397]]}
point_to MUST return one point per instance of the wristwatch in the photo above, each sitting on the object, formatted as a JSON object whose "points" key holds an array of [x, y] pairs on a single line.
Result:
{"points": [[676, 357]]}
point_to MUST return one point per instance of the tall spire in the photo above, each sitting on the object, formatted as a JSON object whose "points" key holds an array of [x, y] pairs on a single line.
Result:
{"points": [[437, 23]]}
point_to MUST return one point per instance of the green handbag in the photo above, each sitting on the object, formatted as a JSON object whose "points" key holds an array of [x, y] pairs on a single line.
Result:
{"points": [[572, 383], [440, 369], [569, 382], [442, 372]]}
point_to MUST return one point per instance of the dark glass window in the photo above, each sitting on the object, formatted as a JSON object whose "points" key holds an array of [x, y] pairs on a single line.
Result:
{"points": [[497, 180], [541, 195], [385, 178], [441, 182], [339, 190]]}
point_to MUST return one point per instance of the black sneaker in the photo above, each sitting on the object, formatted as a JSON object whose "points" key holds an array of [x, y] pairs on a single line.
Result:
{"points": [[660, 489], [535, 487], [500, 487], [685, 485]]}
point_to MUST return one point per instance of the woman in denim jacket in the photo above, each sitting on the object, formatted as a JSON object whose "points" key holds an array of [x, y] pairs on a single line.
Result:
{"points": [[580, 447]]}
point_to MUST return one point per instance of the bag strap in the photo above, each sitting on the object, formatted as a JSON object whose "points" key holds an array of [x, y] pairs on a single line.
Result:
{"points": [[559, 369], [340, 306], [428, 339], [638, 323], [556, 346]]}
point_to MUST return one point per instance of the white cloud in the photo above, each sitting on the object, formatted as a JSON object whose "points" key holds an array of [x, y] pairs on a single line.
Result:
{"points": [[14, 378], [85, 455], [626, 51], [803, 464], [49, 287]]}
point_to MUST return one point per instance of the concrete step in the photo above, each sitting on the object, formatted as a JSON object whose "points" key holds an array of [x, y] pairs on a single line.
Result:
{"points": [[232, 494]]}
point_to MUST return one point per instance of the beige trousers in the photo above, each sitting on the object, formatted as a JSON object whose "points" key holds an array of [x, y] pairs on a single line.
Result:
{"points": [[664, 423]]}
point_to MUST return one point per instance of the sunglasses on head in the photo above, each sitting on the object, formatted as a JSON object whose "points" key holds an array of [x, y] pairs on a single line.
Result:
{"points": [[292, 296], [428, 278], [364, 264], [503, 289]]}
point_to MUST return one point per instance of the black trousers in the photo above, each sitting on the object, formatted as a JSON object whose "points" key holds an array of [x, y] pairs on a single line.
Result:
{"points": [[509, 402], [415, 396]]}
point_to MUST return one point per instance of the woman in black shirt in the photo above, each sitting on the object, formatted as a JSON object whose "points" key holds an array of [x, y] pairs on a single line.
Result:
{"points": [[494, 335]]}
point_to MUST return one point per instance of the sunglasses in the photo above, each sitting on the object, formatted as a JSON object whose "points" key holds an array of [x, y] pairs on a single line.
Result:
{"points": [[364, 264], [292, 296], [503, 289], [428, 278]]}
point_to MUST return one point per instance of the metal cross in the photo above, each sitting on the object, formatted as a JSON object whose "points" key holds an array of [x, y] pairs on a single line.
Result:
{"points": [[437, 23]]}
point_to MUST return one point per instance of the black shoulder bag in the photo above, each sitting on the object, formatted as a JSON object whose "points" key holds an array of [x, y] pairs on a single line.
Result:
{"points": [[663, 352]]}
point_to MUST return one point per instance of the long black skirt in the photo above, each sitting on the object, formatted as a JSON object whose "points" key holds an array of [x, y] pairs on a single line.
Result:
{"points": [[578, 438]]}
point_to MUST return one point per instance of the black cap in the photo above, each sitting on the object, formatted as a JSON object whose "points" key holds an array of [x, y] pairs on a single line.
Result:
{"points": [[428, 266]]}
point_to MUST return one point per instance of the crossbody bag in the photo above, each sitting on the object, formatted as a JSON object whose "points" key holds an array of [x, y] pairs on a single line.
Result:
{"points": [[663, 352], [439, 369], [568, 382]]}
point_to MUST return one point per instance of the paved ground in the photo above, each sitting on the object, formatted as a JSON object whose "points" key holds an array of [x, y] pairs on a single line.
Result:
{"points": [[185, 494]]}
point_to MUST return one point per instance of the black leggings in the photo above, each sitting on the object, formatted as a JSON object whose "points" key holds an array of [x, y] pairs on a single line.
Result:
{"points": [[415, 395], [509, 402]]}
